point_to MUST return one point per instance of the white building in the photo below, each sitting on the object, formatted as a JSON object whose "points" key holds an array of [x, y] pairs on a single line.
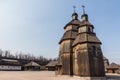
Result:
{"points": [[9, 65]]}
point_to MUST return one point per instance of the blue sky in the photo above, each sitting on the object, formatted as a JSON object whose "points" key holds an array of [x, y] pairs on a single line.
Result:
{"points": [[36, 26]]}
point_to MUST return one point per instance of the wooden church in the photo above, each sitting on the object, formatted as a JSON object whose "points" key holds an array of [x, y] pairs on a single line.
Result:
{"points": [[80, 53]]}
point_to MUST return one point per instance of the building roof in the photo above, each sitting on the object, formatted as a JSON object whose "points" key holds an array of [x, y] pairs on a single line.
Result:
{"points": [[113, 66], [71, 34], [68, 35], [85, 37], [52, 64], [86, 23], [32, 64], [59, 64], [10, 62], [75, 14], [73, 22]]}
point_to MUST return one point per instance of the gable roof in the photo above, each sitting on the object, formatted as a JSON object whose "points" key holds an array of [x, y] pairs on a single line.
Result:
{"points": [[52, 64], [32, 64], [11, 62]]}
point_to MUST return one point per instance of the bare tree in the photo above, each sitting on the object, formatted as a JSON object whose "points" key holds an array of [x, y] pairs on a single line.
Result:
{"points": [[1, 53], [16, 55], [7, 53]]}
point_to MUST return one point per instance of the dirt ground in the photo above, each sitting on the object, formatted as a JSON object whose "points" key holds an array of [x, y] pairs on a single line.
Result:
{"points": [[39, 75], [32, 75]]}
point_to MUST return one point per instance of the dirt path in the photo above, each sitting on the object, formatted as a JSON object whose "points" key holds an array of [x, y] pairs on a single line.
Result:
{"points": [[39, 75]]}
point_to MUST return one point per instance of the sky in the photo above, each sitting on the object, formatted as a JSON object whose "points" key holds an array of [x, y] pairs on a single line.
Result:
{"points": [[36, 26]]}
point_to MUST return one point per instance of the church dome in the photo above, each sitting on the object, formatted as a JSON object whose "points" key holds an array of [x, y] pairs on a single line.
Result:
{"points": [[75, 14]]}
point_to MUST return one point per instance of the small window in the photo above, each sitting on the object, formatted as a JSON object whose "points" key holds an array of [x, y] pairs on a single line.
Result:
{"points": [[89, 29], [95, 51]]}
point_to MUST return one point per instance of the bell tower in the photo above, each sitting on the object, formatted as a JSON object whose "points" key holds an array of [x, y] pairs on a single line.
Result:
{"points": [[80, 51], [87, 54], [65, 45]]}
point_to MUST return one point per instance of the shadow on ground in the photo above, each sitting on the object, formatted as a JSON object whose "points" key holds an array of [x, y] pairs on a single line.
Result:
{"points": [[113, 77]]}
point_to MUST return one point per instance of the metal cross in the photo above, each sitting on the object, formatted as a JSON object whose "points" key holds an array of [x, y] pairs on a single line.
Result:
{"points": [[83, 9], [74, 8]]}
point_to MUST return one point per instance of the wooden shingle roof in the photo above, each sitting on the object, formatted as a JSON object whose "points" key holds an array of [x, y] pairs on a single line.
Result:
{"points": [[52, 64], [86, 23], [68, 35], [71, 34], [32, 64], [73, 22], [85, 37]]}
